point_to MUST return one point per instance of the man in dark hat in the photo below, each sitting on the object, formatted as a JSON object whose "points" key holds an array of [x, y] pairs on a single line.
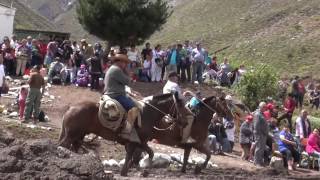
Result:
{"points": [[173, 87], [36, 82], [116, 80]]}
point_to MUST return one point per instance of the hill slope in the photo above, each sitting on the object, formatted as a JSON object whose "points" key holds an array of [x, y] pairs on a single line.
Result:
{"points": [[28, 19], [283, 33]]}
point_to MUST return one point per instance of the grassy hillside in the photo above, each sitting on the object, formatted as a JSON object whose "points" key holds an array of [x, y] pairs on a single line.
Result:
{"points": [[283, 33], [26, 18]]}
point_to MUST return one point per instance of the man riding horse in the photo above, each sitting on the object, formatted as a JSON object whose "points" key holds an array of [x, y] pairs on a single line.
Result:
{"points": [[173, 87], [116, 79]]}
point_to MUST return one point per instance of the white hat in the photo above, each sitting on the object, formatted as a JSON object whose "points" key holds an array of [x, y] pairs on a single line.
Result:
{"points": [[228, 97]]}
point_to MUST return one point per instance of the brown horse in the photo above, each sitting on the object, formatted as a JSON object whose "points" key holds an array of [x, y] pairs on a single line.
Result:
{"points": [[199, 132], [82, 119]]}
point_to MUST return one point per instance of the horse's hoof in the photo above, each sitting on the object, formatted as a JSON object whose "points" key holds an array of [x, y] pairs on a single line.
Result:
{"points": [[197, 170]]}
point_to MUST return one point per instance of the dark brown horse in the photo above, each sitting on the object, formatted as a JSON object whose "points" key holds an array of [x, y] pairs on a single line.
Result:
{"points": [[199, 132], [82, 119]]}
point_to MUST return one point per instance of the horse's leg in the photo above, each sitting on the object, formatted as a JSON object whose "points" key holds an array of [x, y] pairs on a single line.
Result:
{"points": [[130, 147], [150, 153], [186, 155], [205, 150]]}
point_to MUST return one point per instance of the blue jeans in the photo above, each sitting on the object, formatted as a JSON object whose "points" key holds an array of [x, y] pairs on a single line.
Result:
{"points": [[125, 101]]}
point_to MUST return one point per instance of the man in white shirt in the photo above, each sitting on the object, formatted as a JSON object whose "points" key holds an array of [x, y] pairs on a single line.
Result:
{"points": [[197, 63], [303, 126], [173, 87]]}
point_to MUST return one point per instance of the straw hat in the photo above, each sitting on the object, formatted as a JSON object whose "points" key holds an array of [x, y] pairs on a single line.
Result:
{"points": [[120, 57]]}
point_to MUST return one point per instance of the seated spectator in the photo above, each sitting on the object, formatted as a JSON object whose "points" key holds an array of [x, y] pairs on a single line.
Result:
{"points": [[68, 73], [313, 145], [289, 107], [223, 78], [54, 75], [82, 77], [315, 97], [288, 148], [246, 137]]}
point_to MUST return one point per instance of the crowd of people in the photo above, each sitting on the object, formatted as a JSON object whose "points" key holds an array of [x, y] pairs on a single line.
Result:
{"points": [[264, 133], [66, 62]]}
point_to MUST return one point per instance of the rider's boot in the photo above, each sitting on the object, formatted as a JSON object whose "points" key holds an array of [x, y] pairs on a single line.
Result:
{"points": [[186, 132], [131, 118]]}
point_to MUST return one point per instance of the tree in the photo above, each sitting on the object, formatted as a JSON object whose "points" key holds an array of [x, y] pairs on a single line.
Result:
{"points": [[257, 85], [123, 22]]}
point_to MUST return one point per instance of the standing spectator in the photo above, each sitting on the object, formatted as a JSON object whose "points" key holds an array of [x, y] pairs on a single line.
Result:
{"points": [[35, 53], [156, 64], [295, 88], [98, 49], [229, 125], [78, 59], [133, 55], [145, 51], [95, 70], [186, 63], [22, 100], [22, 53], [313, 145], [145, 75], [260, 130], [289, 107], [217, 132], [315, 97], [14, 42], [51, 52], [301, 93], [29, 43], [55, 69], [197, 63], [246, 137], [287, 147], [75, 46], [66, 51], [2, 74], [303, 126], [283, 88], [172, 61], [8, 57], [42, 49], [33, 102]]}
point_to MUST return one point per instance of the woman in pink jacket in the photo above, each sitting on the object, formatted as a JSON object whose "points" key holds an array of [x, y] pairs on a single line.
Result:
{"points": [[313, 145]]}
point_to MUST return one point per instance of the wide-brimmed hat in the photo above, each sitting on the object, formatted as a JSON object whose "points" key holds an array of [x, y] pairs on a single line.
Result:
{"points": [[120, 57]]}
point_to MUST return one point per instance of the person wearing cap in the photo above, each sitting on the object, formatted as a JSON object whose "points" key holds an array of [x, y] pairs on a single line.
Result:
{"points": [[36, 83], [260, 130], [116, 80], [246, 137], [172, 87], [197, 63]]}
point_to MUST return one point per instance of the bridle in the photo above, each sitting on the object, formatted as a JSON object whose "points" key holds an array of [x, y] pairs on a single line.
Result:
{"points": [[174, 110]]}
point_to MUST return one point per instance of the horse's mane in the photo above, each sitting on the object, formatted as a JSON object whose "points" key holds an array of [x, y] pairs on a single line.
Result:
{"points": [[207, 99], [162, 97]]}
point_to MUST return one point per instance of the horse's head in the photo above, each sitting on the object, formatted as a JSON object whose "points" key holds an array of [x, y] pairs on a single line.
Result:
{"points": [[219, 105]]}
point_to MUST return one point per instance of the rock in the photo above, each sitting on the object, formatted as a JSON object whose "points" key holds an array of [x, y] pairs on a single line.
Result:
{"points": [[5, 112], [277, 163], [197, 160], [42, 159], [52, 97], [121, 163], [25, 77], [110, 163], [159, 161], [46, 94], [13, 114], [2, 108], [179, 158], [17, 81]]}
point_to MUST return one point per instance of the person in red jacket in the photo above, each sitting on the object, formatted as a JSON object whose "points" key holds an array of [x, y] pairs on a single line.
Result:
{"points": [[289, 107], [313, 145]]}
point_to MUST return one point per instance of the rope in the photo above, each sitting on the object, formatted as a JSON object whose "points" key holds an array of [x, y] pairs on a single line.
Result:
{"points": [[168, 128]]}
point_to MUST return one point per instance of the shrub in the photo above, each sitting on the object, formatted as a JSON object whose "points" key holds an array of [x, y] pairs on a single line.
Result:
{"points": [[256, 85]]}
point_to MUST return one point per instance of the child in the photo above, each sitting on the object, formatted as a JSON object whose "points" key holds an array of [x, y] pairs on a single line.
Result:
{"points": [[22, 99]]}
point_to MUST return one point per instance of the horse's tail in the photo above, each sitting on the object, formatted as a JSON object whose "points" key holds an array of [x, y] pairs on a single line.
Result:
{"points": [[63, 130]]}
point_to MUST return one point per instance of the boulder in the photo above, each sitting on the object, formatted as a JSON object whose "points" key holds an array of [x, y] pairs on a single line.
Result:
{"points": [[121, 163], [277, 163], [159, 161], [110, 163], [13, 114]]}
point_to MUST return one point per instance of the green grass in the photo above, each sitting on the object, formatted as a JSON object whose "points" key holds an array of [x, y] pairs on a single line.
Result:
{"points": [[281, 33]]}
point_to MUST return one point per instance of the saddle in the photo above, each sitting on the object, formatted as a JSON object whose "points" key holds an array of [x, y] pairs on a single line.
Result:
{"points": [[112, 115]]}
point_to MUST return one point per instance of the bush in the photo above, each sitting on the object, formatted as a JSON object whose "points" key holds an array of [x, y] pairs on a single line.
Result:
{"points": [[256, 85]]}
